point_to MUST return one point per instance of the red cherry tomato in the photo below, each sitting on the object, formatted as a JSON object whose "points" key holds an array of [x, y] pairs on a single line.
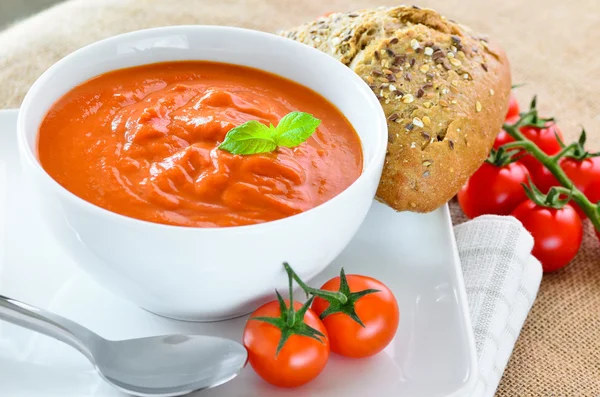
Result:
{"points": [[542, 177], [378, 312], [513, 108], [502, 138], [557, 233], [493, 190], [585, 175], [301, 359], [544, 138]]}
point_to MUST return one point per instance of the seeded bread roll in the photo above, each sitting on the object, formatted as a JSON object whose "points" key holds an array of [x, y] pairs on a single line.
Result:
{"points": [[443, 88]]}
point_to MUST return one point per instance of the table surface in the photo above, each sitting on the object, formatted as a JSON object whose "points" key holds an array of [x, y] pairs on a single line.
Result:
{"points": [[552, 46]]}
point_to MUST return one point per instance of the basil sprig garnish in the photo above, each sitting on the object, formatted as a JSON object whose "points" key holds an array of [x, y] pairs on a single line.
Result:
{"points": [[253, 137]]}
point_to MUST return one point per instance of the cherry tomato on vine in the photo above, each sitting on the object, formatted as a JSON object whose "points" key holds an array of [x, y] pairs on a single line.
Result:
{"points": [[543, 132], [512, 115], [501, 139], [493, 190], [542, 177], [513, 108], [544, 138], [286, 347], [557, 233], [377, 311], [585, 175]]}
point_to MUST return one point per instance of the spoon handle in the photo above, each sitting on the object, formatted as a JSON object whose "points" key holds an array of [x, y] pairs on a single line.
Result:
{"points": [[49, 324]]}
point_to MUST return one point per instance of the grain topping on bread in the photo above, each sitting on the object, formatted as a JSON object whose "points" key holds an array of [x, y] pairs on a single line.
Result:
{"points": [[443, 88]]}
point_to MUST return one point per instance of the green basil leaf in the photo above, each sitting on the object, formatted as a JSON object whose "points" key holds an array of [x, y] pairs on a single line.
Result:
{"points": [[249, 138], [253, 137], [295, 128]]}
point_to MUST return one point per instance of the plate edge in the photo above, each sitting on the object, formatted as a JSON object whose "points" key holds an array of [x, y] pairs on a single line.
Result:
{"points": [[10, 110], [472, 377]]}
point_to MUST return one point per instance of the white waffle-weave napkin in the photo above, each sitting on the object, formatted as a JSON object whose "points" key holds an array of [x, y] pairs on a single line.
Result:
{"points": [[502, 280]]}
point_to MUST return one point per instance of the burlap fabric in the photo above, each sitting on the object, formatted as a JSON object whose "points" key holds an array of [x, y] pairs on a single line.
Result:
{"points": [[553, 47]]}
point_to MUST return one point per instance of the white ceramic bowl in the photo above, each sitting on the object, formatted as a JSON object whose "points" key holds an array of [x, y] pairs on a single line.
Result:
{"points": [[204, 273]]}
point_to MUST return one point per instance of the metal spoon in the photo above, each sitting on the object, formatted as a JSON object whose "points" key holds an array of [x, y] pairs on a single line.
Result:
{"points": [[170, 365]]}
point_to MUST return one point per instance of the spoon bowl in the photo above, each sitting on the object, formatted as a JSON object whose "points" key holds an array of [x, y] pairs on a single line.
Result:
{"points": [[169, 365], [159, 366]]}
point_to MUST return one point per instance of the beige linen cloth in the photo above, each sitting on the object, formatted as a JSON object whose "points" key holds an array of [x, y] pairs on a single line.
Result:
{"points": [[553, 47]]}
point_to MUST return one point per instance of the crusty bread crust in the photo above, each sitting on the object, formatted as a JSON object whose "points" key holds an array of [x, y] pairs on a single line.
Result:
{"points": [[443, 88]]}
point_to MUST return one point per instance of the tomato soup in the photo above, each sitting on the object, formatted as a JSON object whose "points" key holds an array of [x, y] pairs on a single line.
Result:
{"points": [[143, 142]]}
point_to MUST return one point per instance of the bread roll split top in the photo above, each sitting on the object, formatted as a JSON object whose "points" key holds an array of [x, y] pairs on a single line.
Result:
{"points": [[444, 90]]}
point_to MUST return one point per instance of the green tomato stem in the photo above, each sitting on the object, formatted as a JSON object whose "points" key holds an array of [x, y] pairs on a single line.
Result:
{"points": [[291, 316], [564, 151], [314, 291], [557, 191], [551, 163]]}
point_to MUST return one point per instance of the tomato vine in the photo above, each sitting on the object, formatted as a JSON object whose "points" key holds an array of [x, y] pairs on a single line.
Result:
{"points": [[551, 162]]}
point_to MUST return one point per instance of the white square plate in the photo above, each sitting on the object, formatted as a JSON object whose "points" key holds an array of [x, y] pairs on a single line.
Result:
{"points": [[433, 353]]}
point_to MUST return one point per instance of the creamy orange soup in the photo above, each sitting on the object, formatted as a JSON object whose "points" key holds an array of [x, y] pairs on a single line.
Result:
{"points": [[143, 142]]}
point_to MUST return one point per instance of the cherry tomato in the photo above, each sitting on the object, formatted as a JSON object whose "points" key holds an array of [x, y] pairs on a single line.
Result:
{"points": [[542, 177], [544, 138], [378, 312], [301, 359], [512, 116], [513, 108], [502, 138], [493, 190], [585, 175], [557, 233]]}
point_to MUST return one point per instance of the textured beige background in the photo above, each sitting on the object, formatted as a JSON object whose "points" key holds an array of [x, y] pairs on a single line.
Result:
{"points": [[554, 47]]}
